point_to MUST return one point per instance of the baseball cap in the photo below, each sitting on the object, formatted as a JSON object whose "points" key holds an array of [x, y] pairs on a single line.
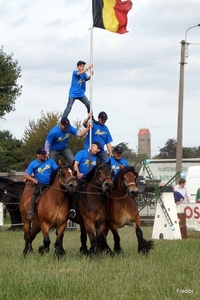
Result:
{"points": [[118, 149], [102, 115], [81, 62], [98, 144], [41, 151], [65, 121]]}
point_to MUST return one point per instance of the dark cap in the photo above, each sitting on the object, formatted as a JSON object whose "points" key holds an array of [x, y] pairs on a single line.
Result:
{"points": [[81, 62], [65, 121], [118, 150], [41, 151], [102, 115], [98, 144]]}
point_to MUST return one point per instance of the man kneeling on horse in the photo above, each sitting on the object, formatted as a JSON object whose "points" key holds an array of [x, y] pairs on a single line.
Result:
{"points": [[42, 168], [84, 161]]}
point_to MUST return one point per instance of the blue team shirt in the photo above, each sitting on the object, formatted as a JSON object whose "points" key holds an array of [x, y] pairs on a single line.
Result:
{"points": [[42, 170], [82, 157], [101, 134], [58, 138], [78, 85], [115, 163]]}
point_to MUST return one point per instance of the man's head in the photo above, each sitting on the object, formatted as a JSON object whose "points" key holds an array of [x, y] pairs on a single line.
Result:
{"points": [[102, 117], [64, 123], [117, 152], [95, 147], [81, 65], [41, 153]]}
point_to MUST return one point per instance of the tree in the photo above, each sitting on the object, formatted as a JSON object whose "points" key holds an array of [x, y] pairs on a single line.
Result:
{"points": [[9, 89], [11, 156], [169, 150]]}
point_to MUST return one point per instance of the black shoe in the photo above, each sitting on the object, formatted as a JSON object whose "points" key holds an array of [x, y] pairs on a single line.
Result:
{"points": [[72, 213]]}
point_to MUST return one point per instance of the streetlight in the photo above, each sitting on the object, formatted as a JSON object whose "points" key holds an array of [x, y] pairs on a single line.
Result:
{"points": [[180, 104]]}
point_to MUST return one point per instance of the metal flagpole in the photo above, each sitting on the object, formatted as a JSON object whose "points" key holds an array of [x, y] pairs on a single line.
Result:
{"points": [[91, 85]]}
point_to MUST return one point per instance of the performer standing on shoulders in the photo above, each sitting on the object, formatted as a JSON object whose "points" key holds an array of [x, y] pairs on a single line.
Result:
{"points": [[78, 87]]}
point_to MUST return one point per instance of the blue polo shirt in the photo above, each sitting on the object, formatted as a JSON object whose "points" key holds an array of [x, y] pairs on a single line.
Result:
{"points": [[58, 138], [78, 85], [42, 170], [101, 134], [82, 157]]}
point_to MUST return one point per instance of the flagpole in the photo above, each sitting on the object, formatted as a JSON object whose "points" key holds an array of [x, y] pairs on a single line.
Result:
{"points": [[91, 85]]}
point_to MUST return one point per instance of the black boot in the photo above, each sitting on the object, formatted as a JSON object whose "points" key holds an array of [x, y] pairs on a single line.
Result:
{"points": [[31, 208], [73, 204]]}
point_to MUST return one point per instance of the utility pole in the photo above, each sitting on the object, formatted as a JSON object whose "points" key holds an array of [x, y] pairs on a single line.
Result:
{"points": [[179, 146], [180, 111]]}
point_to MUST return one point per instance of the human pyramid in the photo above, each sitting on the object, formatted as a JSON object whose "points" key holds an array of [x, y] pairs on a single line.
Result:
{"points": [[56, 142]]}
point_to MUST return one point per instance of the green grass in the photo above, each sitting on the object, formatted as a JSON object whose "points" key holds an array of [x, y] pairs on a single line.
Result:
{"points": [[171, 265]]}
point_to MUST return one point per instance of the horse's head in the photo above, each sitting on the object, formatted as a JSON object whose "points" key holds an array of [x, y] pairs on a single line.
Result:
{"points": [[127, 177], [67, 177], [103, 177]]}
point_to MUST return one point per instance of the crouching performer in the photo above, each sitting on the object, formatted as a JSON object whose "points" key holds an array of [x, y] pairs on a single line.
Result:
{"points": [[84, 161], [42, 168]]}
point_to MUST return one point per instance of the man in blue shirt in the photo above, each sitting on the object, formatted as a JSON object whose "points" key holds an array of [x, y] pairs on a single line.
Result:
{"points": [[57, 139], [78, 87], [83, 161], [41, 168], [101, 134], [116, 160]]}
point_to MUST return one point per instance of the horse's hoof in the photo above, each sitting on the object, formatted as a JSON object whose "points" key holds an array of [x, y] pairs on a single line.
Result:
{"points": [[84, 251]]}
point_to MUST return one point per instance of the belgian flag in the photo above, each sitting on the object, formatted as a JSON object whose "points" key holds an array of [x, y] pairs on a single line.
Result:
{"points": [[111, 15]]}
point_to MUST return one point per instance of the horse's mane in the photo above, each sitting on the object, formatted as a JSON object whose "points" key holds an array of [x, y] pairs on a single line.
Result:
{"points": [[90, 175], [124, 171]]}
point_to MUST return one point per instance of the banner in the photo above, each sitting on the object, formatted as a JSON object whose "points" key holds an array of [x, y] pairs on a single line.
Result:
{"points": [[192, 212]]}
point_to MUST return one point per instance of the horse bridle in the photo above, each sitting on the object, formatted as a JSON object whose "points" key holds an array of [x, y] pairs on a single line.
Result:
{"points": [[61, 176], [106, 177], [127, 185]]}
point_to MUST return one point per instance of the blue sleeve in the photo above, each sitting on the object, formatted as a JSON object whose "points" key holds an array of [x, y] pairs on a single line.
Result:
{"points": [[78, 156], [73, 130]]}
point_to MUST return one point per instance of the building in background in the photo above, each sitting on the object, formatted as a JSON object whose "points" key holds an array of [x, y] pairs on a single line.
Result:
{"points": [[144, 142]]}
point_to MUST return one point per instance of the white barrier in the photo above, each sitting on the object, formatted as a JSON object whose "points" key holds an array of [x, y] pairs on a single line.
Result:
{"points": [[161, 228], [192, 211]]}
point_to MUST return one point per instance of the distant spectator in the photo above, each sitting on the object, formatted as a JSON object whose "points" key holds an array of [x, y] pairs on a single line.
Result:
{"points": [[198, 196], [180, 187]]}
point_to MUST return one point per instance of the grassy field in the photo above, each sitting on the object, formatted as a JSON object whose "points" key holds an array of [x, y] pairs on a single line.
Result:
{"points": [[171, 270]]}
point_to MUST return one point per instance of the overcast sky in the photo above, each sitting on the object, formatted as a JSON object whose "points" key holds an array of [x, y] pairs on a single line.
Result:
{"points": [[136, 78]]}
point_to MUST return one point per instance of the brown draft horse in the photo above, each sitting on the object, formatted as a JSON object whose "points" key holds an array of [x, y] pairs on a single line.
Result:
{"points": [[92, 210], [123, 210], [51, 211]]}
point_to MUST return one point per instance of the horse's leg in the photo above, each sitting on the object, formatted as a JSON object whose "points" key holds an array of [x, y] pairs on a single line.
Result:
{"points": [[143, 245], [90, 229], [27, 237], [83, 238], [59, 251], [46, 240], [102, 232], [116, 237]]}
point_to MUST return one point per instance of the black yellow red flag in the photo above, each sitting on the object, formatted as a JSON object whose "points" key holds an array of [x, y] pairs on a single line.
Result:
{"points": [[111, 15]]}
